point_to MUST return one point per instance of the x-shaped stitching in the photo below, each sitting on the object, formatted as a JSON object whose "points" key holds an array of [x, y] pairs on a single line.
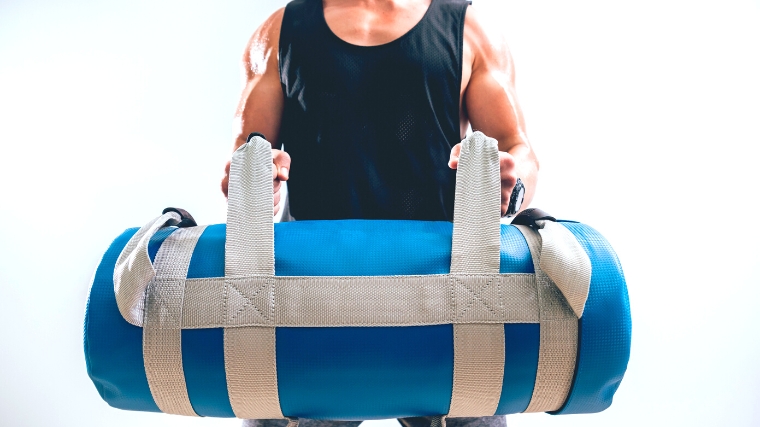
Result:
{"points": [[248, 301], [477, 296], [162, 300]]}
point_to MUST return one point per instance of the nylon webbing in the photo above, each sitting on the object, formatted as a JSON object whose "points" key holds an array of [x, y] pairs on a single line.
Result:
{"points": [[566, 263], [162, 325], [250, 301], [360, 301], [478, 348], [475, 244], [134, 270], [249, 352], [558, 337], [249, 248]]}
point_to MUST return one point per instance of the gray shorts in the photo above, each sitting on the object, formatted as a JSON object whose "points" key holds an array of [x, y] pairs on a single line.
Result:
{"points": [[496, 421]]}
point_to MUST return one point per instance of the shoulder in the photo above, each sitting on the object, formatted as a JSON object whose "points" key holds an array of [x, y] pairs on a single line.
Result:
{"points": [[263, 43], [484, 40]]}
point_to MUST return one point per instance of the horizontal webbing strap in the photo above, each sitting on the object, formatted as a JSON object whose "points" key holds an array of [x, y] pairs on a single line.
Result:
{"points": [[359, 301]]}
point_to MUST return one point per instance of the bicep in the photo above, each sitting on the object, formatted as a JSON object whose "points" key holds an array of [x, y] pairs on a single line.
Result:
{"points": [[493, 109], [490, 98], [261, 102], [260, 108]]}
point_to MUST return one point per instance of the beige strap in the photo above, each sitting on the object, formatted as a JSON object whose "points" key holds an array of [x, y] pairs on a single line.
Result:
{"points": [[133, 270], [558, 337], [249, 248], [249, 352], [478, 369], [566, 263], [475, 245], [162, 339], [360, 301], [250, 364], [478, 348]]}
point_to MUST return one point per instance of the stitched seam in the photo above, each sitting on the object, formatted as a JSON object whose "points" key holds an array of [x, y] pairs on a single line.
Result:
{"points": [[248, 301], [476, 296]]}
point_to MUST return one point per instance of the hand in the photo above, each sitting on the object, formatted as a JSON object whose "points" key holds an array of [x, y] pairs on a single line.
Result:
{"points": [[507, 173], [280, 172]]}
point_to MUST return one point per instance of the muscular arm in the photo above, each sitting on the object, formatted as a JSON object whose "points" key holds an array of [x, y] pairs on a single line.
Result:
{"points": [[261, 103], [490, 104]]}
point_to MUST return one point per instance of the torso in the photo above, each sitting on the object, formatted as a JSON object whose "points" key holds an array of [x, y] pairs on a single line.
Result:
{"points": [[384, 22], [370, 116]]}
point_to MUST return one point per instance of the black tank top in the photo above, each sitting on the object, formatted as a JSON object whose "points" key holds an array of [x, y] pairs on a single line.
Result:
{"points": [[369, 129]]}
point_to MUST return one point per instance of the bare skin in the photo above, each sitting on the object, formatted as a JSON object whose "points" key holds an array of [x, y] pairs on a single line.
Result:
{"points": [[488, 98]]}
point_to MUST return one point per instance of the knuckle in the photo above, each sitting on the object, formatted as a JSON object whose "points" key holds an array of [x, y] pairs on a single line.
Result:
{"points": [[506, 161], [508, 183]]}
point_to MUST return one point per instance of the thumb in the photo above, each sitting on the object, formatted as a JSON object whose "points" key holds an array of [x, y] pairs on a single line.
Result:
{"points": [[281, 162]]}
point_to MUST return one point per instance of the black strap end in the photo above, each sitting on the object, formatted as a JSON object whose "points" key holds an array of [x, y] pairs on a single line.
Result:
{"points": [[530, 216], [187, 220], [252, 134]]}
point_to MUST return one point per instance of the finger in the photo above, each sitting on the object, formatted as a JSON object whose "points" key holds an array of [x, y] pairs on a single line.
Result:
{"points": [[277, 185], [505, 196], [454, 156], [226, 179], [506, 162], [281, 161], [507, 171], [276, 203]]}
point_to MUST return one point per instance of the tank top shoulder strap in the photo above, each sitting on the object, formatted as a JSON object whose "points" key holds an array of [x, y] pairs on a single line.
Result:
{"points": [[300, 20], [455, 6]]}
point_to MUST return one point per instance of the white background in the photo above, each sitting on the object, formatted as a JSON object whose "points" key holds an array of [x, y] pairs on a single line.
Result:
{"points": [[645, 116]]}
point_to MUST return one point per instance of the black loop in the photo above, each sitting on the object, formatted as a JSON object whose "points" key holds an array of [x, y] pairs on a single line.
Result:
{"points": [[530, 216], [187, 220], [250, 137]]}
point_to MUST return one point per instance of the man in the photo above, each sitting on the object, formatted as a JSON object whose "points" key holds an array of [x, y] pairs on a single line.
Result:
{"points": [[486, 99], [370, 99]]}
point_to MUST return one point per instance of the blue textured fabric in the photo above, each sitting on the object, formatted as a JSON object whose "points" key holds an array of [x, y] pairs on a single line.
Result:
{"points": [[604, 342], [521, 343], [203, 349], [348, 373], [362, 248], [113, 347], [515, 253]]}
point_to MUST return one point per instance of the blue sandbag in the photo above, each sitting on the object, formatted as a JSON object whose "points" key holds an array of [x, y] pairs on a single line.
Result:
{"points": [[363, 372]]}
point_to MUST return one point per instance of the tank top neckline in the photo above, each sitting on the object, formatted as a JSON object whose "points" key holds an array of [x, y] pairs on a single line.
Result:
{"points": [[398, 39]]}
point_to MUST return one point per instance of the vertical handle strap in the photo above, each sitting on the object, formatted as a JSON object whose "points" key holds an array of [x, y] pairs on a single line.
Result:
{"points": [[475, 242], [249, 249], [475, 252], [249, 352]]}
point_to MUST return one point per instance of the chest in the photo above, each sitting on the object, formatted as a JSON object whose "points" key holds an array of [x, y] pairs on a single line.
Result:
{"points": [[373, 25]]}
